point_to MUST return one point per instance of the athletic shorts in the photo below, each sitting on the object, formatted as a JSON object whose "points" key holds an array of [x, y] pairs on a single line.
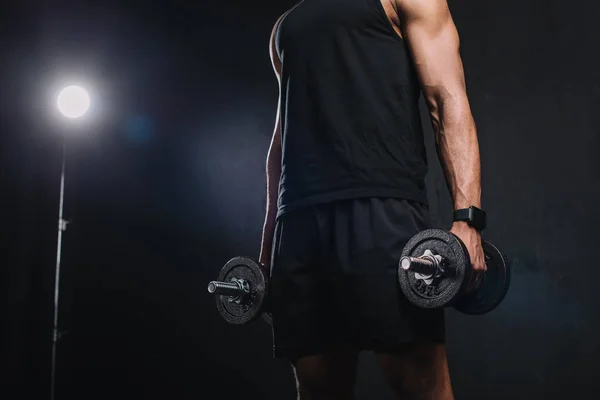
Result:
{"points": [[334, 279]]}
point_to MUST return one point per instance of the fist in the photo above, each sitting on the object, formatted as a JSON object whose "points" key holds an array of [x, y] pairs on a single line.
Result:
{"points": [[472, 240]]}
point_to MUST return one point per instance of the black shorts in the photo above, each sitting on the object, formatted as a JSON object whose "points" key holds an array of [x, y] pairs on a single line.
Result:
{"points": [[333, 278]]}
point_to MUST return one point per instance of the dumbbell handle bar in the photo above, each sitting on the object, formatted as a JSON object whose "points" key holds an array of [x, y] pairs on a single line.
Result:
{"points": [[236, 288], [425, 265]]}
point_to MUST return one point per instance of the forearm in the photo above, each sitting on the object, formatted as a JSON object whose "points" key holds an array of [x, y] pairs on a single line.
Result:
{"points": [[273, 176], [458, 151]]}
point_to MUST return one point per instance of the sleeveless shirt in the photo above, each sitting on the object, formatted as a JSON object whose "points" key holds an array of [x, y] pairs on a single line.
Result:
{"points": [[350, 119]]}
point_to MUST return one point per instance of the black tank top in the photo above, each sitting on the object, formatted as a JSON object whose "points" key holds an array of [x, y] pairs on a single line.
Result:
{"points": [[350, 118]]}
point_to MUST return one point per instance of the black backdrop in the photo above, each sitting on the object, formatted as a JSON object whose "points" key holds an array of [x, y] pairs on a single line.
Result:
{"points": [[165, 182]]}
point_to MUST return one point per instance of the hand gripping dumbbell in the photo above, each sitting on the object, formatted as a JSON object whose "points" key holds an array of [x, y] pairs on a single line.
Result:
{"points": [[241, 291], [435, 271]]}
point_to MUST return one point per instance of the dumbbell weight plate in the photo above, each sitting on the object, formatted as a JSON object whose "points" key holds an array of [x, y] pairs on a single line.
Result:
{"points": [[443, 291], [493, 287], [251, 307]]}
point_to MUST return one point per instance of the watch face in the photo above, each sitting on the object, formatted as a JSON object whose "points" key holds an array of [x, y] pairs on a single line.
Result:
{"points": [[477, 217]]}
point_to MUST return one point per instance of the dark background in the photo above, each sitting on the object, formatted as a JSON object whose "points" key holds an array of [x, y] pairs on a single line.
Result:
{"points": [[165, 182]]}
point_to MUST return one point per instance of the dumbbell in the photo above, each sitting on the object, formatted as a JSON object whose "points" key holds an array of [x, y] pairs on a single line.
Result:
{"points": [[241, 291], [435, 271]]}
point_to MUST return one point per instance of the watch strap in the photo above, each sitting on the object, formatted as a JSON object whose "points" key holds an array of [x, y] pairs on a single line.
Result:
{"points": [[474, 216]]}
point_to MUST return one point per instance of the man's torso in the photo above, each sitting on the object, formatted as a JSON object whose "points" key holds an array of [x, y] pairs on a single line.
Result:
{"points": [[349, 105]]}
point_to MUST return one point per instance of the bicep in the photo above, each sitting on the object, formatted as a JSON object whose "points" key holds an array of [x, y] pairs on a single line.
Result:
{"points": [[434, 44]]}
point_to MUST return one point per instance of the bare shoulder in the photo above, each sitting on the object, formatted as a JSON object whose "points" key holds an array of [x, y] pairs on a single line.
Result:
{"points": [[426, 18], [273, 47], [402, 12], [276, 25], [421, 8]]}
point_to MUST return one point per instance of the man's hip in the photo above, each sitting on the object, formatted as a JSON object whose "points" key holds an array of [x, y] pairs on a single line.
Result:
{"points": [[333, 278]]}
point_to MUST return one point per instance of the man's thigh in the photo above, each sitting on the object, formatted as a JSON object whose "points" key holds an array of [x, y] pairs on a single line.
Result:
{"points": [[303, 322], [328, 376], [367, 237], [418, 371]]}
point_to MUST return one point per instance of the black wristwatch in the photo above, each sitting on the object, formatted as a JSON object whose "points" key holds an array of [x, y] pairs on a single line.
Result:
{"points": [[474, 216]]}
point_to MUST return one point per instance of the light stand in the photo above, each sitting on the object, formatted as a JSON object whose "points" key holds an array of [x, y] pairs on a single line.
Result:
{"points": [[62, 226], [73, 102]]}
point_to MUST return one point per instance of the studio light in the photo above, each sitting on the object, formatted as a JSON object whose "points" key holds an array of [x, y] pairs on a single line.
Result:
{"points": [[73, 102]]}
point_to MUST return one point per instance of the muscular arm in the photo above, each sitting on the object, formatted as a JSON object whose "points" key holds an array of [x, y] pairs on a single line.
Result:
{"points": [[273, 168], [433, 40]]}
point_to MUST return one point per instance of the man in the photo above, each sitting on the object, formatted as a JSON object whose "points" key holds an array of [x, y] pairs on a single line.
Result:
{"points": [[345, 183]]}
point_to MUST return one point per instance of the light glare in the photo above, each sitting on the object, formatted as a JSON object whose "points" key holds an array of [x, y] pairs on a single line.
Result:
{"points": [[73, 102]]}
